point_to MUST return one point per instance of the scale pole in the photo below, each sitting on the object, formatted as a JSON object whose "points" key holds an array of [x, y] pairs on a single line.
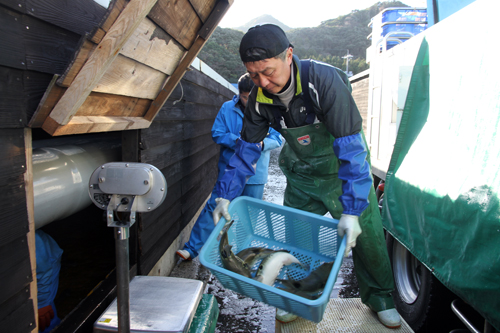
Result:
{"points": [[122, 278]]}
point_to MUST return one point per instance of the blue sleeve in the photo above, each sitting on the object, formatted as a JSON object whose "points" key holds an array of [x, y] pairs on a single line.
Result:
{"points": [[355, 173], [221, 133], [240, 167], [272, 140]]}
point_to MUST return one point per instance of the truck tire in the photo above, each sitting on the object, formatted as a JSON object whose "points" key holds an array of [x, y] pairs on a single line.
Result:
{"points": [[419, 297]]}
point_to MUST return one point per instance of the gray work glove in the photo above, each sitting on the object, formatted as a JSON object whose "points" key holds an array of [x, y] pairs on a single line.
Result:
{"points": [[349, 225], [221, 210]]}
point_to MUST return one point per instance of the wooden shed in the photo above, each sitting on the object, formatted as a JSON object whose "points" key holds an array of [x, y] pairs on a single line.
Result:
{"points": [[127, 76]]}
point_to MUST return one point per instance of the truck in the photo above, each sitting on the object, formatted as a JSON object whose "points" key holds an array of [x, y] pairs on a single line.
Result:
{"points": [[433, 125]]}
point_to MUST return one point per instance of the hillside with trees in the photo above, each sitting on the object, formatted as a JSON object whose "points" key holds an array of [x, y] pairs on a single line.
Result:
{"points": [[327, 42]]}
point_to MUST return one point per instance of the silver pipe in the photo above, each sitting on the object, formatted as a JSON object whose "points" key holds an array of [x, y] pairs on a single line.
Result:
{"points": [[60, 178], [462, 318]]}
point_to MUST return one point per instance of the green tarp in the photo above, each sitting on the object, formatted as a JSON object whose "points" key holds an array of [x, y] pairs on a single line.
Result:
{"points": [[443, 185]]}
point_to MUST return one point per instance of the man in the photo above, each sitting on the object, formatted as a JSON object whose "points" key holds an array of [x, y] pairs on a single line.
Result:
{"points": [[226, 132], [325, 158]]}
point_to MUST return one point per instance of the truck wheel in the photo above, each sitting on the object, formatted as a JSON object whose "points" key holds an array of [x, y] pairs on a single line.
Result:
{"points": [[420, 298]]}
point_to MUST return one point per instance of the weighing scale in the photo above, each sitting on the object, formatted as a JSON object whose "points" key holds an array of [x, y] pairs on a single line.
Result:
{"points": [[147, 303]]}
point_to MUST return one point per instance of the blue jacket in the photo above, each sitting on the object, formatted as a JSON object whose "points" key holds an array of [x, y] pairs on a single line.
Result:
{"points": [[226, 130]]}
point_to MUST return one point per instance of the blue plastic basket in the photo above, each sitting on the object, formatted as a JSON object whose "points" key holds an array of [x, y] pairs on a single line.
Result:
{"points": [[309, 237]]}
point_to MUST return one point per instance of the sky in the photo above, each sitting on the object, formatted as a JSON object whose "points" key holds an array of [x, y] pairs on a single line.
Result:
{"points": [[297, 13]]}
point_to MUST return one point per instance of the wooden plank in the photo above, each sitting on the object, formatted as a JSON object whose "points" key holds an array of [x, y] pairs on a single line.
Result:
{"points": [[173, 80], [109, 105], [30, 205], [14, 222], [186, 111], [203, 80], [77, 16], [83, 52], [189, 205], [149, 259], [18, 6], [203, 8], [114, 9], [97, 104], [48, 48], [13, 253], [181, 169], [207, 173], [35, 86], [213, 20], [157, 229], [201, 95], [93, 124], [192, 200], [11, 38], [178, 19], [50, 98], [100, 60], [159, 214], [21, 320], [152, 46], [130, 78], [13, 102], [165, 155], [161, 133], [206, 30], [14, 303], [17, 278]]}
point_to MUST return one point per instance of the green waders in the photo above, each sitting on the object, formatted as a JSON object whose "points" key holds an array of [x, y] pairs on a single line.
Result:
{"points": [[313, 185]]}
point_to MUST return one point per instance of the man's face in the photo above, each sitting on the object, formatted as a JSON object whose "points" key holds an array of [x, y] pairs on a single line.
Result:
{"points": [[244, 98], [271, 74]]}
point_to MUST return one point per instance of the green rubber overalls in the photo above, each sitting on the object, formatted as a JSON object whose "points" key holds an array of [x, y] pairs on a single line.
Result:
{"points": [[311, 168]]}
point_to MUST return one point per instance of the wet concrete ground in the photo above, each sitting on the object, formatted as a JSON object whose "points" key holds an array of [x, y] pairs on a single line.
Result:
{"points": [[242, 314]]}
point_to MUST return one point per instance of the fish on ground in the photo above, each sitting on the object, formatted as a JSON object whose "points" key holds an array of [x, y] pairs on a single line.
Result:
{"points": [[270, 266]]}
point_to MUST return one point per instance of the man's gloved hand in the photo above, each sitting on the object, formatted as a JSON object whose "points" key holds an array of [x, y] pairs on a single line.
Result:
{"points": [[45, 316], [221, 210], [349, 225]]}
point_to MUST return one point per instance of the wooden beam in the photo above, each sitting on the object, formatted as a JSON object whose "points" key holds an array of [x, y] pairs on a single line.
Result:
{"points": [[83, 53], [130, 78], [152, 46], [173, 80], [49, 99], [206, 30], [215, 16], [109, 105], [30, 203], [203, 8], [178, 19], [94, 124], [100, 60], [114, 9]]}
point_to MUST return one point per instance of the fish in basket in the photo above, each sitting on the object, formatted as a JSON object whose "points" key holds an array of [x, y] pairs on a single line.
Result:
{"points": [[252, 255]]}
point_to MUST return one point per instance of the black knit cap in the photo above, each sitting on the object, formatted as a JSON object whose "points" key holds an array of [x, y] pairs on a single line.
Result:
{"points": [[268, 37]]}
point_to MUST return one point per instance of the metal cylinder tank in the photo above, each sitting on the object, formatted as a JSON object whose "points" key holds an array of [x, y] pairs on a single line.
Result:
{"points": [[61, 175]]}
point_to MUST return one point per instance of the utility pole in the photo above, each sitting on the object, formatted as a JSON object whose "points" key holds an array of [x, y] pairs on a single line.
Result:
{"points": [[347, 57]]}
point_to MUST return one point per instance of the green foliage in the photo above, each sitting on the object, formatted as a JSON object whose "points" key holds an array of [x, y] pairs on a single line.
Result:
{"points": [[221, 53], [328, 42]]}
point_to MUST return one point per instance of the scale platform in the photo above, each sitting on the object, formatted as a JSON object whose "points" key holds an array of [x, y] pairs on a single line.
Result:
{"points": [[157, 304]]}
